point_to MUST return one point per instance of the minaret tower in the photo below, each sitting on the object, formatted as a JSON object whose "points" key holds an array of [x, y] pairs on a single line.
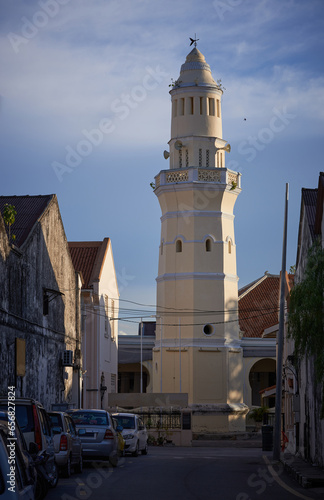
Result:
{"points": [[197, 348]]}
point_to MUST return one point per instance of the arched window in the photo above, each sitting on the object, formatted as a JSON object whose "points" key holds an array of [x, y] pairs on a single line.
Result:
{"points": [[208, 245], [229, 246], [179, 246]]}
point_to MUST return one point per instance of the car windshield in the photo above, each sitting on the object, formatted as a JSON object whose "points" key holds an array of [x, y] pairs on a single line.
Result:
{"points": [[89, 418], [24, 415], [56, 420], [126, 422]]}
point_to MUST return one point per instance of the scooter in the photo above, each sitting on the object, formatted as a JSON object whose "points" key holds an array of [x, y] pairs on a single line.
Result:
{"points": [[47, 472]]}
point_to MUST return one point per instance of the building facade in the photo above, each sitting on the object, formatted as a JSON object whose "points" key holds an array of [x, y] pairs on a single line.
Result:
{"points": [[100, 306], [39, 305], [198, 349], [303, 396]]}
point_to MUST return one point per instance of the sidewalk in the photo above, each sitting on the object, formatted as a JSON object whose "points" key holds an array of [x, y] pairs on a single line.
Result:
{"points": [[306, 474]]}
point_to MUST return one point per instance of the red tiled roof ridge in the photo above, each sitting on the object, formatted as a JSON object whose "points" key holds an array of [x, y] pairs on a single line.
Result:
{"points": [[88, 257], [248, 288], [259, 306], [84, 244]]}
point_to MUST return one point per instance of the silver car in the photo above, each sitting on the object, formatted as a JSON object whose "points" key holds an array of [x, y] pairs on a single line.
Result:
{"points": [[134, 432], [67, 443], [17, 472], [98, 436]]}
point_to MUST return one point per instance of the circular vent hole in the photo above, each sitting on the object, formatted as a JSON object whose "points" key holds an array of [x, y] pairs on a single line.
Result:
{"points": [[208, 329]]}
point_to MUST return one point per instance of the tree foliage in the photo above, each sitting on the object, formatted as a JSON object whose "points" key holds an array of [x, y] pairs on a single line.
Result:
{"points": [[9, 217], [305, 318]]}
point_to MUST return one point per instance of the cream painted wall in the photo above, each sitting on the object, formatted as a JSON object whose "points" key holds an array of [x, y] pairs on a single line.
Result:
{"points": [[101, 344]]}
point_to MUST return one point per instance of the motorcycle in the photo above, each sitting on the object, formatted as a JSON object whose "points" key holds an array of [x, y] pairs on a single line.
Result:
{"points": [[47, 471]]}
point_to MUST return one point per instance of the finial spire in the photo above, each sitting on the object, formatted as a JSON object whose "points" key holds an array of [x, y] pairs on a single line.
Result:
{"points": [[193, 40]]}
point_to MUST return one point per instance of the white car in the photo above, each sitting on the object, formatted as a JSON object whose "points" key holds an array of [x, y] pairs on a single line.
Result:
{"points": [[134, 432]]}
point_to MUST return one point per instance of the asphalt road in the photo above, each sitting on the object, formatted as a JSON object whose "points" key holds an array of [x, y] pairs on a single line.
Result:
{"points": [[171, 473]]}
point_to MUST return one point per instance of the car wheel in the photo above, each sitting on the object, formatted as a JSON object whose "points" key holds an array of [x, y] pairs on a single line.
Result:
{"points": [[135, 453], [54, 476], [42, 487], [145, 450], [79, 465], [113, 459], [67, 467]]}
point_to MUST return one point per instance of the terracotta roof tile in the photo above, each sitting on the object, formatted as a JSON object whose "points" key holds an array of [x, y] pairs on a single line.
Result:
{"points": [[259, 307], [29, 209], [84, 254], [88, 258]]}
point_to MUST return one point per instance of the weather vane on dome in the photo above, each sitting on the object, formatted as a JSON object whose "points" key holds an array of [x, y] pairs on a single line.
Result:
{"points": [[193, 40]]}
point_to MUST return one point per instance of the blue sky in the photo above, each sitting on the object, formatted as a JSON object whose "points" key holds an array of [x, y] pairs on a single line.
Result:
{"points": [[71, 69]]}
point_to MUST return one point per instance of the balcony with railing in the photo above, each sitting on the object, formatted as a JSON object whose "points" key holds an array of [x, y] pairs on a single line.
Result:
{"points": [[199, 174]]}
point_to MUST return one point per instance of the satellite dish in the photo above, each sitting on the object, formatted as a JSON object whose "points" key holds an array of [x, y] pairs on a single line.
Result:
{"points": [[166, 154], [178, 145]]}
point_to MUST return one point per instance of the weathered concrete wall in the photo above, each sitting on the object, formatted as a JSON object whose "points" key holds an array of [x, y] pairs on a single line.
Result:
{"points": [[311, 426], [43, 262], [136, 400], [4, 253]]}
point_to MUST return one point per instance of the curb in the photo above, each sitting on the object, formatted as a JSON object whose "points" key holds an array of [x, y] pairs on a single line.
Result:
{"points": [[306, 474]]}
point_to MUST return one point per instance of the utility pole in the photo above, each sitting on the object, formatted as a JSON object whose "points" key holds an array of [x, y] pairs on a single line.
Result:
{"points": [[141, 355], [161, 331], [280, 340], [180, 355]]}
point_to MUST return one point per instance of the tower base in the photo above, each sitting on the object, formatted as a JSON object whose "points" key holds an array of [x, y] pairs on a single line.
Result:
{"points": [[218, 419]]}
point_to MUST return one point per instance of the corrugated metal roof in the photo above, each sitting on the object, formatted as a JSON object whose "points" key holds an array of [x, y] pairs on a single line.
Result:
{"points": [[29, 209], [84, 255]]}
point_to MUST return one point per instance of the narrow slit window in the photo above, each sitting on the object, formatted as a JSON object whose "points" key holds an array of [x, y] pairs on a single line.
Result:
{"points": [[229, 246], [161, 247], [191, 105], [200, 158], [187, 158], [175, 105], [179, 246], [207, 157], [181, 110], [218, 108], [180, 158], [208, 245], [201, 105], [211, 102]]}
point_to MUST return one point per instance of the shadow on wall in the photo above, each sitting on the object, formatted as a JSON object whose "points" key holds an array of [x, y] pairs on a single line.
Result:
{"points": [[37, 306]]}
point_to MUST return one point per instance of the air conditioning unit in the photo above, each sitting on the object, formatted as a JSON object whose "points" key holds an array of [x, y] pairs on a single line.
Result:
{"points": [[67, 358]]}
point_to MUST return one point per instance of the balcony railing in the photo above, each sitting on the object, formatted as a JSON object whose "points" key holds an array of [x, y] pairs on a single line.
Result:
{"points": [[198, 174]]}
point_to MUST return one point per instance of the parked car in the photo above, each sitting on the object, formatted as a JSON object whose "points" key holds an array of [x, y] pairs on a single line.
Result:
{"points": [[67, 443], [35, 425], [134, 432], [20, 482], [98, 435]]}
